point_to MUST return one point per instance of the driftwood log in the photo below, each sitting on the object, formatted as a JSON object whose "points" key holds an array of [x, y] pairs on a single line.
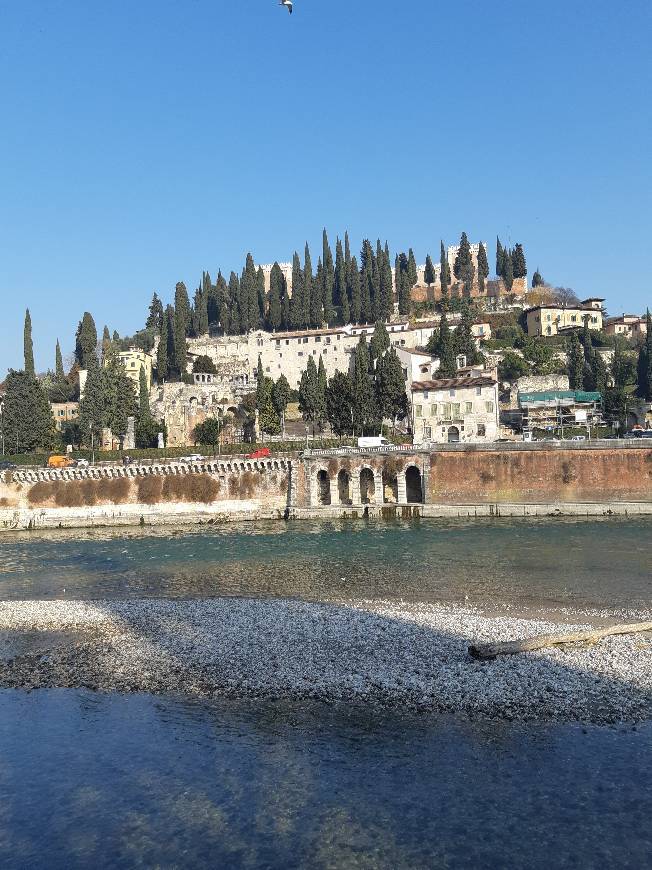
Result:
{"points": [[509, 647]]}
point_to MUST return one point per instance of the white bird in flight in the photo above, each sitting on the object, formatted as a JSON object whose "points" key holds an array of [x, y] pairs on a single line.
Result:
{"points": [[287, 4]]}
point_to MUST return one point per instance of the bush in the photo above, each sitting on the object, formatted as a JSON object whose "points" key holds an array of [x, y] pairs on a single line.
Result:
{"points": [[150, 489], [40, 493]]}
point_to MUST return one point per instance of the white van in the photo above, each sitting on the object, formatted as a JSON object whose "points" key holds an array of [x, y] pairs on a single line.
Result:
{"points": [[374, 441]]}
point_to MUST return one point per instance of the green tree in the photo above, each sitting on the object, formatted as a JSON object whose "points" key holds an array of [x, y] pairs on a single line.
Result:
{"points": [[317, 297], [507, 273], [402, 279], [86, 342], [463, 341], [429, 271], [200, 309], [162, 350], [537, 279], [260, 298], [540, 355], [366, 281], [235, 326], [644, 366], [386, 307], [355, 292], [297, 306], [442, 345], [575, 355], [483, 267], [463, 268], [309, 392], [339, 403], [59, 374], [321, 391], [519, 268], [365, 412], [281, 397], [622, 368], [500, 259], [307, 286], [93, 406], [146, 427], [379, 341], [181, 327], [411, 269], [207, 433], [106, 343], [204, 365], [27, 418], [390, 390], [28, 346], [341, 292], [155, 316], [276, 291], [512, 366], [445, 275], [328, 280]]}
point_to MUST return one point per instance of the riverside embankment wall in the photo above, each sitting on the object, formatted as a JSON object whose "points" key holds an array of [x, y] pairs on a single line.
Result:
{"points": [[461, 480]]}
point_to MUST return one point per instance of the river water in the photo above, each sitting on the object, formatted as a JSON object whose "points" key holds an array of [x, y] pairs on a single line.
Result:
{"points": [[92, 780]]}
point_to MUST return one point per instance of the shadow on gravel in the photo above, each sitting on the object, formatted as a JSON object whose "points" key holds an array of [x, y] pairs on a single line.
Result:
{"points": [[248, 648]]}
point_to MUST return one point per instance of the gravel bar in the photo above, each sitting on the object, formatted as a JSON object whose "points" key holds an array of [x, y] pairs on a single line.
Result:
{"points": [[388, 653]]}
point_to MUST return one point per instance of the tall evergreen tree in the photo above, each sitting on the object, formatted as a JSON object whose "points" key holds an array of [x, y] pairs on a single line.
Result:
{"points": [[260, 297], [106, 343], [347, 256], [379, 341], [59, 374], [162, 351], [274, 312], [86, 342], [483, 267], [366, 281], [386, 307], [507, 273], [519, 268], [365, 412], [201, 308], [442, 345], [411, 269], [281, 398], [339, 403], [429, 271], [155, 314], [28, 346], [463, 268], [355, 292], [392, 398], [321, 391], [307, 287], [619, 365], [219, 305], [317, 297], [445, 272], [463, 341], [500, 259], [297, 301], [328, 280], [181, 326], [309, 392], [403, 282], [235, 325], [92, 406], [27, 418], [575, 363], [341, 294], [644, 365]]}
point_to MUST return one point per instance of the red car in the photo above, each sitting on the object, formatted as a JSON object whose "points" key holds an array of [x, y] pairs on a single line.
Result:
{"points": [[261, 453]]}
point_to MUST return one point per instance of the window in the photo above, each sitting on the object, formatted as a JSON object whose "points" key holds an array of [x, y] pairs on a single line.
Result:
{"points": [[447, 411], [278, 342], [317, 339], [573, 318], [417, 410], [328, 339], [325, 351], [548, 317], [427, 432], [481, 430], [287, 340], [451, 393], [267, 369], [456, 410], [300, 353], [433, 409], [594, 319], [425, 394], [305, 340], [490, 407], [468, 407], [478, 391]]}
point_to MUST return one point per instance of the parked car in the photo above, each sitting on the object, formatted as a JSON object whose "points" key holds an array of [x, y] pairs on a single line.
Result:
{"points": [[82, 463], [261, 453], [194, 457], [373, 441], [59, 461], [5, 465]]}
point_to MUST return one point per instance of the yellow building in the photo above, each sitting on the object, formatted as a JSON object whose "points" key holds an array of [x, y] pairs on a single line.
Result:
{"points": [[552, 319], [132, 360], [64, 412]]}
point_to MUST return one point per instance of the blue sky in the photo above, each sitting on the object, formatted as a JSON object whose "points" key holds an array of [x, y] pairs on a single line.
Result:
{"points": [[141, 142]]}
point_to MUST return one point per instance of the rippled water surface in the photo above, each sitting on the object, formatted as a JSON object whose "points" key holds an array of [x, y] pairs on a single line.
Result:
{"points": [[112, 781], [583, 562]]}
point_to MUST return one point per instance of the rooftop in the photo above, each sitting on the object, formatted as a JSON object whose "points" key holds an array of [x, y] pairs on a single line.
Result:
{"points": [[451, 383]]}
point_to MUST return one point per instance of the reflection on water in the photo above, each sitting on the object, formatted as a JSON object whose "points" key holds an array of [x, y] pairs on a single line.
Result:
{"points": [[114, 781], [585, 561]]}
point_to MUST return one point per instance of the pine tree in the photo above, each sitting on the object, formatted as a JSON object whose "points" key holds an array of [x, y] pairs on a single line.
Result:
{"points": [[537, 279], [27, 418], [463, 268], [317, 298], [379, 341], [644, 366], [445, 273], [181, 326], [364, 402], [392, 398], [366, 281], [235, 324], [575, 363], [106, 343], [403, 283], [386, 286], [483, 267], [355, 291], [309, 392], [328, 280], [155, 314], [340, 292], [507, 273], [28, 347], [321, 391], [281, 397], [412, 275], [519, 268], [260, 297], [463, 341], [442, 345], [86, 342], [162, 351], [429, 272], [59, 374], [274, 313], [347, 256]]}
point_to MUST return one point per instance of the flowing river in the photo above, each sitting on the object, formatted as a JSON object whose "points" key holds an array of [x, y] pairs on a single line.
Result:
{"points": [[121, 781]]}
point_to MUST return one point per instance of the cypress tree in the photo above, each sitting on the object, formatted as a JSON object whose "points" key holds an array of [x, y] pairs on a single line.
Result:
{"points": [[403, 283], [339, 403], [171, 352], [347, 257], [274, 316], [27, 417], [92, 405], [181, 326], [162, 351], [253, 293], [341, 295], [412, 275], [386, 286], [463, 341], [364, 402], [483, 267], [442, 345], [429, 271], [379, 341], [445, 272], [619, 365], [59, 374], [116, 336], [321, 391], [355, 291], [500, 259], [86, 342], [125, 405], [317, 298], [260, 297], [218, 304], [392, 398], [281, 396], [519, 267], [285, 306], [297, 302], [507, 273], [309, 392], [201, 309], [575, 363], [328, 280], [155, 314], [307, 287], [28, 346], [644, 365], [366, 281], [463, 267], [235, 324]]}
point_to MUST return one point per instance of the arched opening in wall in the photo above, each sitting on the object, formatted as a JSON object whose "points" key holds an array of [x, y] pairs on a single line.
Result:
{"points": [[390, 486], [323, 487], [344, 487], [413, 487], [453, 434], [367, 486]]}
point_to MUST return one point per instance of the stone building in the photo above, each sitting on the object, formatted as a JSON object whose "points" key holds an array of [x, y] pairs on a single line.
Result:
{"points": [[451, 410], [553, 319], [64, 412], [286, 269], [628, 325], [133, 360]]}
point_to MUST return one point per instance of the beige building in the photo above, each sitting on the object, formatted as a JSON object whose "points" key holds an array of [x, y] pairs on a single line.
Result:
{"points": [[64, 412], [627, 325], [553, 319], [452, 410], [132, 360]]}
